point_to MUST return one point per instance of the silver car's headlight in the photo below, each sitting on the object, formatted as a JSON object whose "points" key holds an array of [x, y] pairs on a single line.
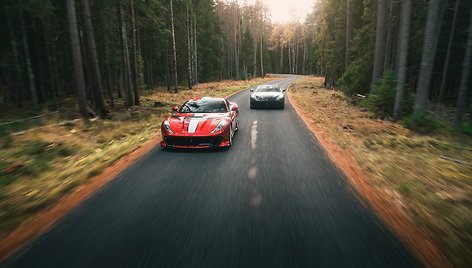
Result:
{"points": [[166, 125], [255, 97], [219, 127], [279, 97]]}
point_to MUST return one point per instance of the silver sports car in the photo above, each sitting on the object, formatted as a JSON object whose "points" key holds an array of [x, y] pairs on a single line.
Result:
{"points": [[267, 96]]}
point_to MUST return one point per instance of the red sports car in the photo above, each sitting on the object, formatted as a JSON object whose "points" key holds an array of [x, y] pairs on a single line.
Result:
{"points": [[201, 123]]}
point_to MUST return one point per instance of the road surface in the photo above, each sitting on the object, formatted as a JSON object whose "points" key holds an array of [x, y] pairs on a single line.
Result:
{"points": [[273, 200]]}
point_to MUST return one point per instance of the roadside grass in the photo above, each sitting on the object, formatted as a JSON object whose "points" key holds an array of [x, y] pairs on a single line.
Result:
{"points": [[45, 161], [428, 175]]}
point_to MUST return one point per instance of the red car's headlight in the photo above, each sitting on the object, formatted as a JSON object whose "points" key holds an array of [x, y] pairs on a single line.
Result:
{"points": [[166, 126], [221, 125]]}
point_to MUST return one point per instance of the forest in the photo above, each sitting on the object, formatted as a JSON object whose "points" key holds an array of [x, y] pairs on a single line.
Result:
{"points": [[406, 57], [85, 83]]}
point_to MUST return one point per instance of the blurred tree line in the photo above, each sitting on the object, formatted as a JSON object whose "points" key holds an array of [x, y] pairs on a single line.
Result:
{"points": [[106, 52], [408, 57]]}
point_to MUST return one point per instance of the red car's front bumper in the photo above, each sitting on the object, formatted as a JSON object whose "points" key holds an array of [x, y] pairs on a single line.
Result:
{"points": [[193, 141]]}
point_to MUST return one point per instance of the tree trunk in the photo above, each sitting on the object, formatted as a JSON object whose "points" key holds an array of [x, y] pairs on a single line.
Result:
{"points": [[29, 67], [50, 60], [348, 34], [151, 71], [167, 56], [92, 58], [135, 55], [254, 61], [380, 42], [262, 58], [41, 76], [442, 7], [297, 56], [189, 48], [461, 101], [174, 52], [195, 54], [236, 52], [126, 68], [289, 55], [109, 76], [404, 39], [442, 88], [389, 43], [427, 59], [281, 66], [16, 59], [77, 57], [236, 61], [55, 65]]}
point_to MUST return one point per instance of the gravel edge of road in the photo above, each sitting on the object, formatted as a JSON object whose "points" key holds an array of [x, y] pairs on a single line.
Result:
{"points": [[424, 248]]}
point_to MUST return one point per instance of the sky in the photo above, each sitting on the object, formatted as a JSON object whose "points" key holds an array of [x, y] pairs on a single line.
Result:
{"points": [[287, 10]]}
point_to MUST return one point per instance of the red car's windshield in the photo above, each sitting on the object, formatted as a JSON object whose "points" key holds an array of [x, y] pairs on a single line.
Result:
{"points": [[204, 106]]}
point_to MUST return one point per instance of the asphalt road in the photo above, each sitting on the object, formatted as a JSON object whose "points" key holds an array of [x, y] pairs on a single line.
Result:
{"points": [[273, 200]]}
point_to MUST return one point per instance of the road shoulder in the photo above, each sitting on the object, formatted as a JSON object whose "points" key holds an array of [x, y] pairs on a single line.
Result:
{"points": [[424, 247]]}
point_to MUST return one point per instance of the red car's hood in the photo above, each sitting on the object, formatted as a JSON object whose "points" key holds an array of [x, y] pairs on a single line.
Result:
{"points": [[196, 123]]}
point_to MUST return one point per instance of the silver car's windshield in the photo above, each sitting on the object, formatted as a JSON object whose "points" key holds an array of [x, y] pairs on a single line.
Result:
{"points": [[268, 89]]}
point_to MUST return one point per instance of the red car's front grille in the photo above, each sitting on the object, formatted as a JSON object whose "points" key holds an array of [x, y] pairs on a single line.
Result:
{"points": [[193, 141]]}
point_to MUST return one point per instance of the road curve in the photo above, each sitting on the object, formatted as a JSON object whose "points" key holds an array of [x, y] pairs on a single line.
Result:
{"points": [[273, 200]]}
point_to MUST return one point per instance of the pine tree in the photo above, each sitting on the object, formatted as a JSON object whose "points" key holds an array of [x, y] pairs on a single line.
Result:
{"points": [[403, 40], [380, 42], [442, 88], [175, 80], [427, 60], [77, 57], [466, 68], [92, 58], [134, 55]]}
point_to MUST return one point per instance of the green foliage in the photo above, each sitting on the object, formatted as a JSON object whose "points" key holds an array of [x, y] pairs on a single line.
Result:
{"points": [[247, 48], [382, 98], [209, 36], [465, 129], [423, 123], [35, 147], [5, 139], [331, 37], [356, 78]]}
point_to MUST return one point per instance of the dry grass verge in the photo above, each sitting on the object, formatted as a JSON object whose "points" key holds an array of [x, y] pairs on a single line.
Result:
{"points": [[424, 179], [39, 167]]}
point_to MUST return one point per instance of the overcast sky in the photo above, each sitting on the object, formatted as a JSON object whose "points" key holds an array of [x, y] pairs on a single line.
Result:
{"points": [[287, 10]]}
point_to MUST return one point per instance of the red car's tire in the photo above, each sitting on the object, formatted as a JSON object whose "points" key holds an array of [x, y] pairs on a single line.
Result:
{"points": [[230, 136]]}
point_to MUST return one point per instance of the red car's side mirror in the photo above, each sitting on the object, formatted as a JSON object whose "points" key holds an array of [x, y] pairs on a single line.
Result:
{"points": [[175, 108], [234, 107]]}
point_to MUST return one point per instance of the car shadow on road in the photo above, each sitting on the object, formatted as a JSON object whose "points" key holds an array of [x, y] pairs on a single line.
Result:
{"points": [[198, 150]]}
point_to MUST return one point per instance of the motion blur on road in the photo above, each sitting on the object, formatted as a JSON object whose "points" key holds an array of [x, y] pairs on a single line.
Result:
{"points": [[273, 200]]}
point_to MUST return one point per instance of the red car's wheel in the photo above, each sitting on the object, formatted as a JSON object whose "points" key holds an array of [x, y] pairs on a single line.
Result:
{"points": [[230, 138]]}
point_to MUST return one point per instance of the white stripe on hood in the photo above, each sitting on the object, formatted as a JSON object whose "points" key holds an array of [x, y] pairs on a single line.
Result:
{"points": [[192, 125]]}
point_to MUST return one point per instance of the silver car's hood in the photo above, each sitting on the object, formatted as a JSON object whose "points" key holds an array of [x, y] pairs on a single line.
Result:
{"points": [[267, 95]]}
